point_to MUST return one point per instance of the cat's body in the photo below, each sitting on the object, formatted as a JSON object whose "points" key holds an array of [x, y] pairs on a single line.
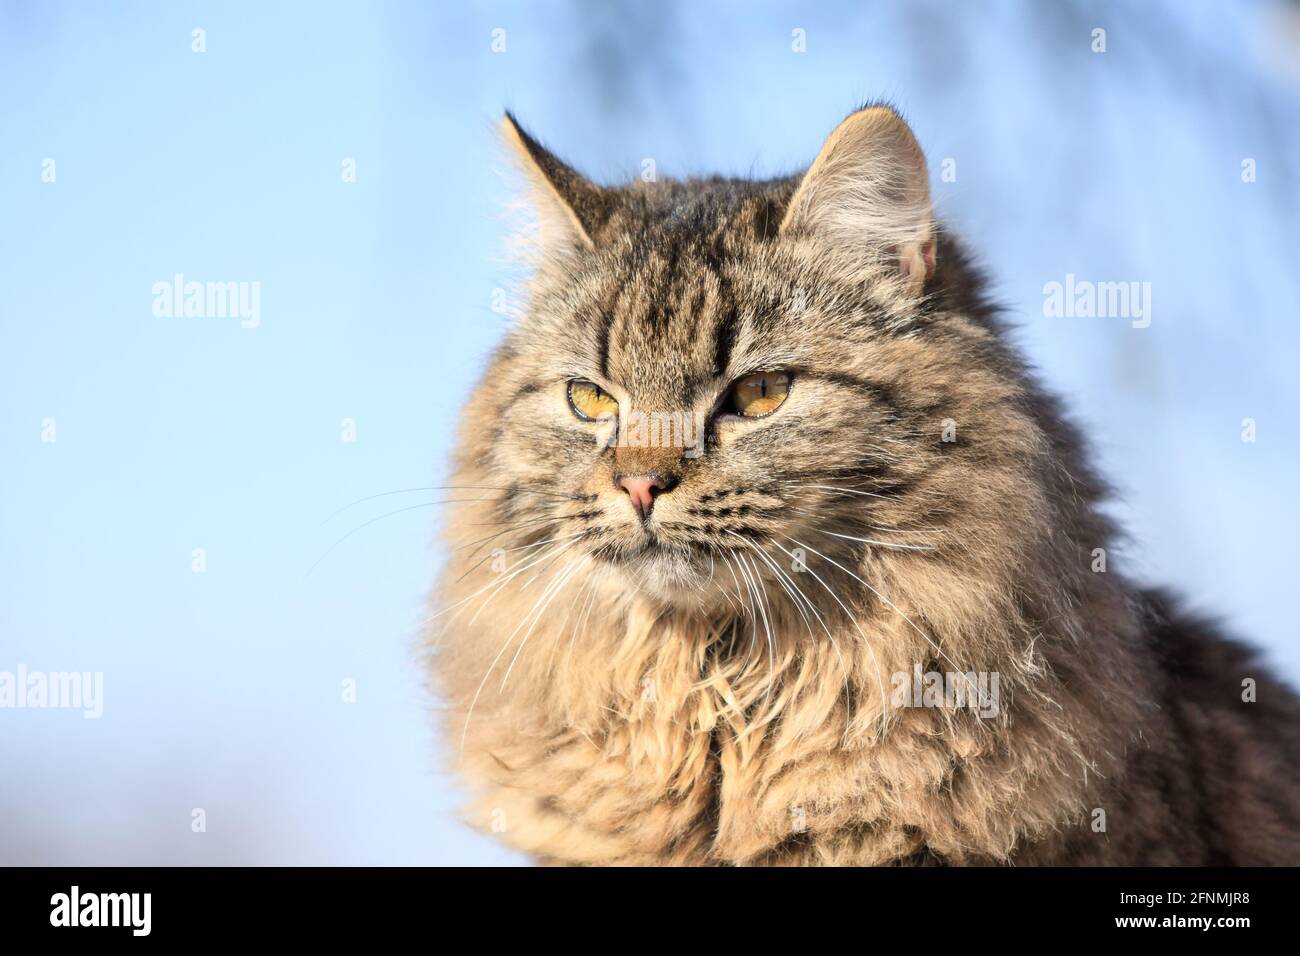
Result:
{"points": [[707, 669]]}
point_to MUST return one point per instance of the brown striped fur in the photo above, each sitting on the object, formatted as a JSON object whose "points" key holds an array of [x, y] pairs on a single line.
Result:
{"points": [[613, 702]]}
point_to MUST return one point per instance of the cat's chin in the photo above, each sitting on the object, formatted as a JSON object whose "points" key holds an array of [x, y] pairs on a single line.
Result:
{"points": [[669, 576]]}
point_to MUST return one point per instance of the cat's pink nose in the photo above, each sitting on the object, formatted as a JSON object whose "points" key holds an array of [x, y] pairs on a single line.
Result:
{"points": [[643, 490]]}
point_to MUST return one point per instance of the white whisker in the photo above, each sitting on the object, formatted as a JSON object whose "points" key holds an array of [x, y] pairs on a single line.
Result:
{"points": [[888, 603], [880, 544]]}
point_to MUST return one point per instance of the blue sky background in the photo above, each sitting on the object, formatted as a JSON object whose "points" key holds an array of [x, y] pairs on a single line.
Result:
{"points": [[222, 689]]}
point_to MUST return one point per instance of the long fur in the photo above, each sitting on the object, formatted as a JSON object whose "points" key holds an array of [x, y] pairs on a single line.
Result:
{"points": [[918, 501]]}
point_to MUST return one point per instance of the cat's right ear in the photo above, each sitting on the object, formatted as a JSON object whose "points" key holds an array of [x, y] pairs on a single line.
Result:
{"points": [[568, 206]]}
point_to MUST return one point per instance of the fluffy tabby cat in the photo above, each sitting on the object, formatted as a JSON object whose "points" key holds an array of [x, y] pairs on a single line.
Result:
{"points": [[657, 646]]}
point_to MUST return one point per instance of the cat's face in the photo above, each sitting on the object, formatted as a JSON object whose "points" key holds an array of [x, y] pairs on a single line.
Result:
{"points": [[693, 408], [714, 384]]}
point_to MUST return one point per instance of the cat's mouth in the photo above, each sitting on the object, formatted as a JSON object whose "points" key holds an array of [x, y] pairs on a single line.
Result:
{"points": [[651, 547]]}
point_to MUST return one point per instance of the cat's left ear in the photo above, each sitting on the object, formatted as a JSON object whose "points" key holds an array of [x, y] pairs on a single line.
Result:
{"points": [[569, 206], [868, 193]]}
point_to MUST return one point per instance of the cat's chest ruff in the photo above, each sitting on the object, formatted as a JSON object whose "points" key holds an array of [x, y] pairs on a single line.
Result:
{"points": [[671, 741], [710, 751]]}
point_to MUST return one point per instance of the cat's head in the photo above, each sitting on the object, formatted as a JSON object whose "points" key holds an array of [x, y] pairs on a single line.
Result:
{"points": [[718, 379]]}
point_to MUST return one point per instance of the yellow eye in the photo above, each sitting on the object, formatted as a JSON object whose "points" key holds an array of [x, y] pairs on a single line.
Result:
{"points": [[759, 394], [590, 402]]}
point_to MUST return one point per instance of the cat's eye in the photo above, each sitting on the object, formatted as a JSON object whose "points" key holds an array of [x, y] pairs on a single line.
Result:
{"points": [[759, 394], [590, 402]]}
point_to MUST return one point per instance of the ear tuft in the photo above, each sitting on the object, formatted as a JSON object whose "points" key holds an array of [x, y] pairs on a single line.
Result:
{"points": [[569, 207], [868, 193]]}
